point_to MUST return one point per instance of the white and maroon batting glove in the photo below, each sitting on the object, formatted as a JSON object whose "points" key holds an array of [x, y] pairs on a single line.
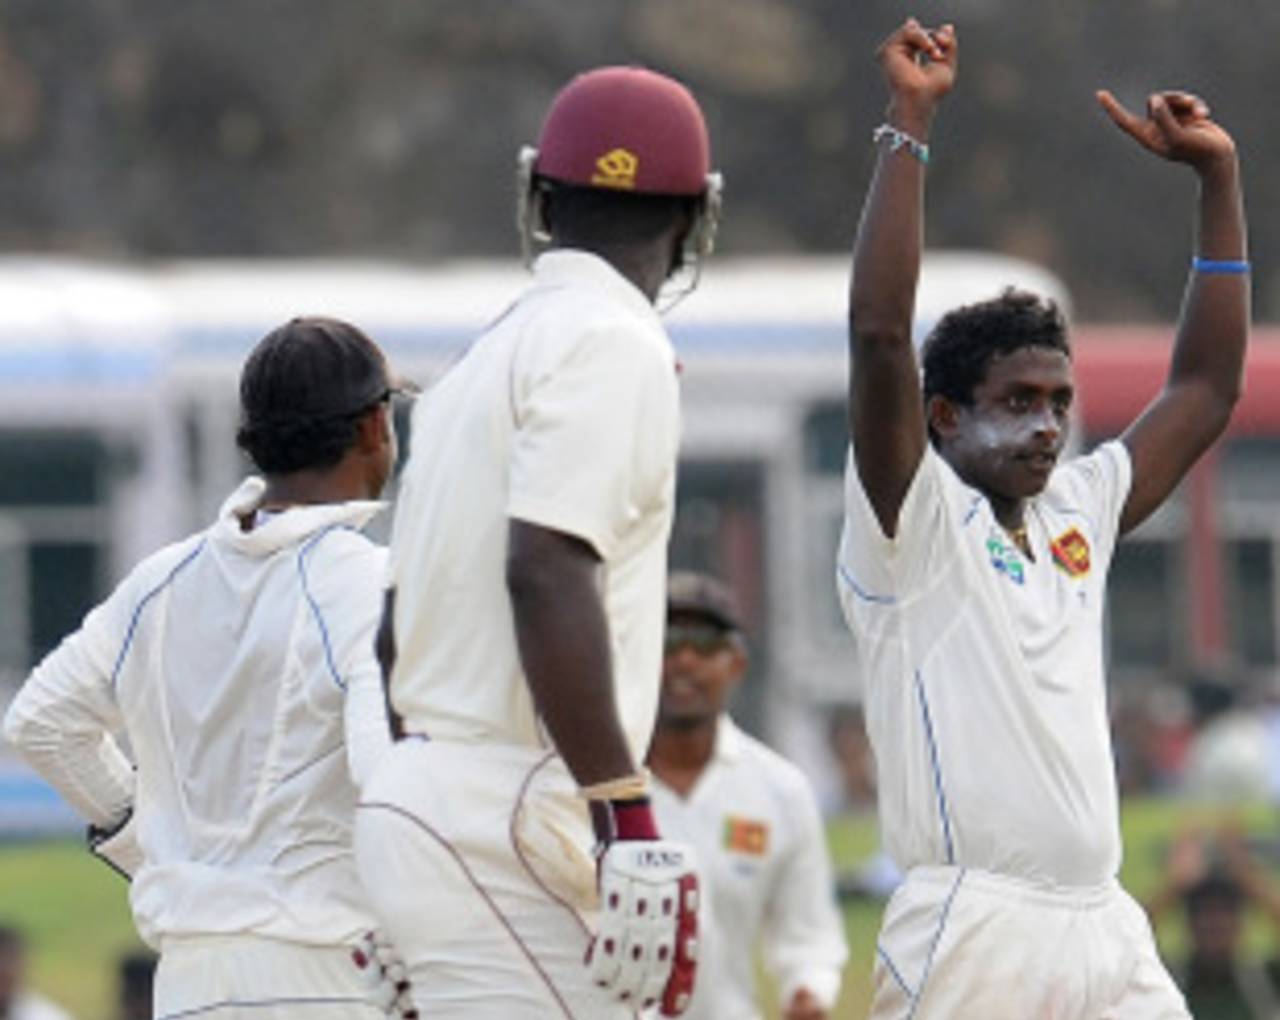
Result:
{"points": [[385, 977], [645, 951]]}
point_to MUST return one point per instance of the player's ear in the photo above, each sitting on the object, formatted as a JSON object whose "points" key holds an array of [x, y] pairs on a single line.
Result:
{"points": [[373, 430], [942, 417], [738, 650]]}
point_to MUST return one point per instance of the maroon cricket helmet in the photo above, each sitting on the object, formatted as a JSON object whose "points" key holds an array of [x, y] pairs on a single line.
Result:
{"points": [[629, 129]]}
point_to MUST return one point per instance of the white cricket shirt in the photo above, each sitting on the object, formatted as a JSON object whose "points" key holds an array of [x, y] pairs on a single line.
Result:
{"points": [[238, 668], [983, 671], [762, 853], [563, 414]]}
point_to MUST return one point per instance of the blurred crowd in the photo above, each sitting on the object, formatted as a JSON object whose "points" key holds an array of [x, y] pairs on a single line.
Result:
{"points": [[19, 1001], [1213, 739]]}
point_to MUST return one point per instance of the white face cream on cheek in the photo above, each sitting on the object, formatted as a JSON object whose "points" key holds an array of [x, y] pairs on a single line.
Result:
{"points": [[999, 436]]}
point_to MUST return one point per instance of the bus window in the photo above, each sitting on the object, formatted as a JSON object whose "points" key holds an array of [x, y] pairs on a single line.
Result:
{"points": [[719, 529], [826, 439], [54, 499], [1142, 592], [15, 623], [1251, 600], [64, 585], [1249, 489]]}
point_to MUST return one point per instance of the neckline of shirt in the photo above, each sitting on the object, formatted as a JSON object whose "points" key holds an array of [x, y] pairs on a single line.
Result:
{"points": [[574, 265]]}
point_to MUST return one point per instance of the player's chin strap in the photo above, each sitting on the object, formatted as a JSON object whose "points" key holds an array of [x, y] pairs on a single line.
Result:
{"points": [[699, 246], [528, 201]]}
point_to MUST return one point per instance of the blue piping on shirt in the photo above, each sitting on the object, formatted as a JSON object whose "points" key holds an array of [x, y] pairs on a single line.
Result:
{"points": [[142, 604], [937, 769], [862, 593], [315, 607]]}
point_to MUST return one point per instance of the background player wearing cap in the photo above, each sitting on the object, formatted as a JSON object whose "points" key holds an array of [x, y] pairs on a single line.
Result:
{"points": [[972, 571], [528, 573], [237, 666], [752, 818]]}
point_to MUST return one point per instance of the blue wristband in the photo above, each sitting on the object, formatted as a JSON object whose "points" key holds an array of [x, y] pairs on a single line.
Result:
{"points": [[1229, 267]]}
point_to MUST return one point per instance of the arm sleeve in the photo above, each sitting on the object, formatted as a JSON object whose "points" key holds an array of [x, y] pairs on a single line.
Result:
{"points": [[64, 716], [1098, 486], [804, 943], [873, 569], [597, 427], [348, 577]]}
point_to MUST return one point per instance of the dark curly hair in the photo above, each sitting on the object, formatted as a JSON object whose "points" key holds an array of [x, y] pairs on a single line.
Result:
{"points": [[961, 347], [303, 391]]}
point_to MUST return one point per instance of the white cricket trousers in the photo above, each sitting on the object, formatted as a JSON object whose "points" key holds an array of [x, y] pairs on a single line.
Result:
{"points": [[961, 943], [245, 977], [477, 861]]}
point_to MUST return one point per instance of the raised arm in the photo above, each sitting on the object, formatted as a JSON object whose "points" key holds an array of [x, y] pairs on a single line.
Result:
{"points": [[1205, 372], [886, 417]]}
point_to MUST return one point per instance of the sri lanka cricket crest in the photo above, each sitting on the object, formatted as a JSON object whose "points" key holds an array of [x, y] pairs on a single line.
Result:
{"points": [[1071, 552]]}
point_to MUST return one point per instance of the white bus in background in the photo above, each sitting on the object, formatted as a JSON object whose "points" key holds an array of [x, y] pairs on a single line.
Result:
{"points": [[118, 406]]}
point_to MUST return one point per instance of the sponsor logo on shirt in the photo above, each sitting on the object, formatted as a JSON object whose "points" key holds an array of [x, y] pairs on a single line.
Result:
{"points": [[746, 836], [1006, 559], [1071, 552], [616, 169]]}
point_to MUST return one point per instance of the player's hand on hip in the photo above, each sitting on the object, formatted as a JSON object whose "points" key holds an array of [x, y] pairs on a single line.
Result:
{"points": [[117, 845], [919, 64], [1177, 127], [385, 976], [645, 950]]}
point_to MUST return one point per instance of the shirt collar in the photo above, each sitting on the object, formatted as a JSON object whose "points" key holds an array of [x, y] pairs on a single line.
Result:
{"points": [[728, 740], [286, 528], [569, 266]]}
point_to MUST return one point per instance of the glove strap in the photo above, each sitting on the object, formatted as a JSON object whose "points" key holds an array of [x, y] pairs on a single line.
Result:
{"points": [[622, 788], [616, 820]]}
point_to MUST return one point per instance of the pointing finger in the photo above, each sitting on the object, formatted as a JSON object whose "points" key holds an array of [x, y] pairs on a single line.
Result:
{"points": [[1117, 112]]}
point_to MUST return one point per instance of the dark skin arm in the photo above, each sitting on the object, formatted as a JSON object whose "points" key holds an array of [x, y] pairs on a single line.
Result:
{"points": [[886, 420], [1205, 373], [563, 637]]}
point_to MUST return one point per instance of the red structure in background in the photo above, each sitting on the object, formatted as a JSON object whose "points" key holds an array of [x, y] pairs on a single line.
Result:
{"points": [[1118, 370]]}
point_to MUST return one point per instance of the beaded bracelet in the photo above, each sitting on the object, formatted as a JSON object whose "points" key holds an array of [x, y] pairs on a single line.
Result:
{"points": [[901, 140]]}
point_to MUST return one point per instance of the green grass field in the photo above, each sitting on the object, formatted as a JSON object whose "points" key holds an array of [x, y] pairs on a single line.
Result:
{"points": [[75, 913]]}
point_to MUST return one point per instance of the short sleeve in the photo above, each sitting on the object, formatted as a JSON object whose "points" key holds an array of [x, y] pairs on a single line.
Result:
{"points": [[874, 569], [1097, 486], [596, 436]]}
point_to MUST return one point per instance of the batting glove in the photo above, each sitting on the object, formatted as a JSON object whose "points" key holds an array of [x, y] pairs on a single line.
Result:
{"points": [[645, 951], [386, 978]]}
